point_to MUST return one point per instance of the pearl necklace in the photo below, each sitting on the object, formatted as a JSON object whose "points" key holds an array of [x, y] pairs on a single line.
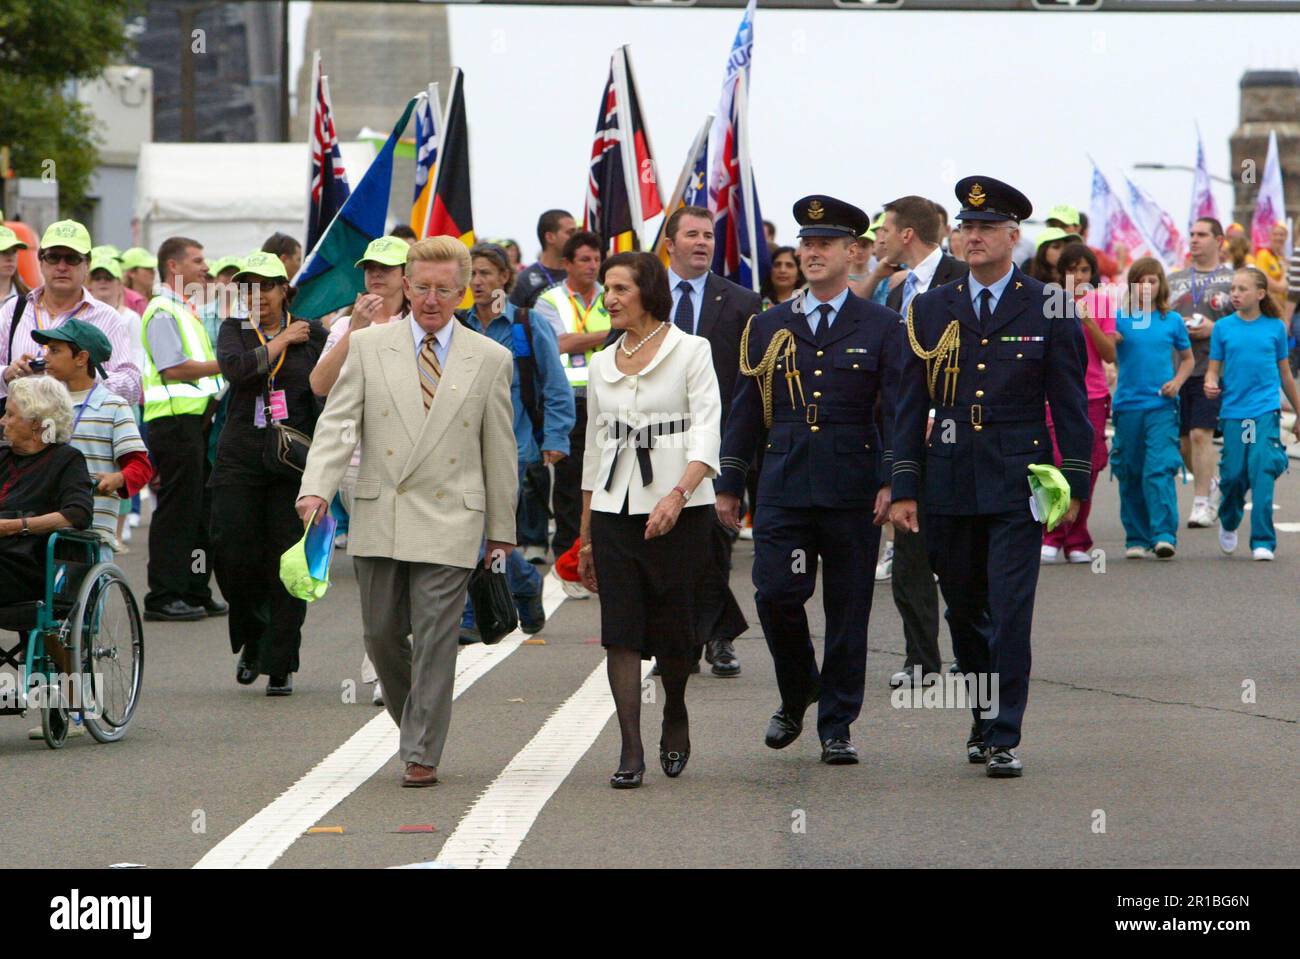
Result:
{"points": [[644, 340]]}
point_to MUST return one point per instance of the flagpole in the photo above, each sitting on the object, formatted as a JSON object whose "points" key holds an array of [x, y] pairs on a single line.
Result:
{"points": [[679, 191], [444, 117], [623, 106], [746, 178], [312, 119]]}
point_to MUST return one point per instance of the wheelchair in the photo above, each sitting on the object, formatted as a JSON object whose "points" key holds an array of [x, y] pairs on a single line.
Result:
{"points": [[81, 649]]}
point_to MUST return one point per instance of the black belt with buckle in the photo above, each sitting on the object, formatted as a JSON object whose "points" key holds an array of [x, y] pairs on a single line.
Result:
{"points": [[824, 413], [642, 440], [979, 414]]}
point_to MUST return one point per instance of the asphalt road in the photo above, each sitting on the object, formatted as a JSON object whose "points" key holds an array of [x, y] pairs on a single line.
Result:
{"points": [[1136, 712]]}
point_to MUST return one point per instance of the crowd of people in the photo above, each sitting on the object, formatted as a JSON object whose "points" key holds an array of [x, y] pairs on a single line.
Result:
{"points": [[614, 417]]}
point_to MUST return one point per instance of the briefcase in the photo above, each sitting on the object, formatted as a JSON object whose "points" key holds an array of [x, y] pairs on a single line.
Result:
{"points": [[494, 607]]}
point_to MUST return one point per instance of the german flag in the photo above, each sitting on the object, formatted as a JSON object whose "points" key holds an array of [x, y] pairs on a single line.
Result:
{"points": [[451, 214]]}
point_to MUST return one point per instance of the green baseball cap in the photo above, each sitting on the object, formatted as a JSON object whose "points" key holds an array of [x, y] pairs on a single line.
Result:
{"points": [[82, 336], [106, 249], [67, 233], [106, 262], [386, 251], [1054, 233], [1065, 213], [266, 265], [870, 232], [9, 240], [218, 266], [1049, 494], [138, 257]]}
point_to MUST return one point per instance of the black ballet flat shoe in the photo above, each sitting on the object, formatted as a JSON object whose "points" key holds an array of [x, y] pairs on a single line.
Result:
{"points": [[627, 778], [245, 675], [673, 761]]}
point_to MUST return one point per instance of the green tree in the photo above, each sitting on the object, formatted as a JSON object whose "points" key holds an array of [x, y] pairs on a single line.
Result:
{"points": [[44, 44]]}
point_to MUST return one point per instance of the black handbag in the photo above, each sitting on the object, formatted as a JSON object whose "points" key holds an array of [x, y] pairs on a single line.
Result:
{"points": [[286, 448], [494, 608]]}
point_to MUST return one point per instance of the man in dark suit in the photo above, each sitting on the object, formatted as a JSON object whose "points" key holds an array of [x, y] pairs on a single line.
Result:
{"points": [[707, 305], [909, 236], [986, 353], [815, 367]]}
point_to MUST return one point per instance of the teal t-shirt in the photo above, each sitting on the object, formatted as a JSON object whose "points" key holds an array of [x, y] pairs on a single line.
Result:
{"points": [[1250, 351], [1145, 357]]}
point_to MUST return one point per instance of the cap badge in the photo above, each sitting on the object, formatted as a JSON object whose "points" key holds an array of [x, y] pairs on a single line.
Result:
{"points": [[976, 196], [815, 210]]}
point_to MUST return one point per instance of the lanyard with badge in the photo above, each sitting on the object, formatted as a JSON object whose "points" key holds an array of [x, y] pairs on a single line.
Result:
{"points": [[581, 313], [276, 398], [82, 409]]}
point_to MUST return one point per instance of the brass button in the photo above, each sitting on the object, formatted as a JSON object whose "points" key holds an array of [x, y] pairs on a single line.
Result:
{"points": [[979, 392], [1035, 442], [815, 429], [866, 446], [817, 372], [984, 342], [452, 460], [390, 452], [855, 366], [979, 366], [438, 495], [1020, 356], [769, 445], [977, 429], [821, 352], [817, 394], [465, 424]]}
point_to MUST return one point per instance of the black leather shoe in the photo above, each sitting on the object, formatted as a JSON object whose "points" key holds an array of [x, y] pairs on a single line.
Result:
{"points": [[177, 611], [533, 615], [783, 729], [955, 669], [673, 761], [245, 675], [721, 656], [976, 751], [1003, 763], [215, 607], [627, 778], [839, 752], [280, 685]]}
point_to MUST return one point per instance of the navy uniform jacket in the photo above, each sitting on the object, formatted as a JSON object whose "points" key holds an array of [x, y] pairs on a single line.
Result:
{"points": [[977, 458], [828, 453]]}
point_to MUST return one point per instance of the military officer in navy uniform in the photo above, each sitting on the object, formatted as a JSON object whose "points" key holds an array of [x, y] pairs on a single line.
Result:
{"points": [[813, 369], [986, 352]]}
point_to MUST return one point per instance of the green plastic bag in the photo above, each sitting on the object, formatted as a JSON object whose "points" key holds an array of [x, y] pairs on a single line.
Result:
{"points": [[1049, 494]]}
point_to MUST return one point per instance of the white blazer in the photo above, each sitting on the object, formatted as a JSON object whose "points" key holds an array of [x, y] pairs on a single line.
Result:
{"points": [[672, 407]]}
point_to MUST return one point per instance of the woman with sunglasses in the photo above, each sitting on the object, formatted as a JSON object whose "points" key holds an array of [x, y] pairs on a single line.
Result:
{"points": [[267, 359]]}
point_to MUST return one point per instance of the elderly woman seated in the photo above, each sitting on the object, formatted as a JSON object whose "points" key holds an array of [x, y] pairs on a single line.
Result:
{"points": [[44, 483]]}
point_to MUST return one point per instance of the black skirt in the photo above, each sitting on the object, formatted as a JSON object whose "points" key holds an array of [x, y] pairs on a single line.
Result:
{"points": [[651, 590]]}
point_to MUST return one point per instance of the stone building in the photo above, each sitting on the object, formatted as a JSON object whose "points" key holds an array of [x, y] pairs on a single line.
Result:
{"points": [[1270, 100]]}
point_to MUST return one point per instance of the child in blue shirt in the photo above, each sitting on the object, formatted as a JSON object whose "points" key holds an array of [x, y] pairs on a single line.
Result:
{"points": [[1144, 452], [1248, 353]]}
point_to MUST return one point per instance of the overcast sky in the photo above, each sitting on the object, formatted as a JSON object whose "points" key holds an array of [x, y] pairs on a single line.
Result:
{"points": [[864, 105]]}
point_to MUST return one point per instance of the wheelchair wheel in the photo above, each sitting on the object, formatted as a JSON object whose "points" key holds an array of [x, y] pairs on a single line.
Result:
{"points": [[107, 630], [54, 721]]}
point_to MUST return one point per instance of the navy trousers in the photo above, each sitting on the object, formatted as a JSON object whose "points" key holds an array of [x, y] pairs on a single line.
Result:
{"points": [[988, 572], [787, 546]]}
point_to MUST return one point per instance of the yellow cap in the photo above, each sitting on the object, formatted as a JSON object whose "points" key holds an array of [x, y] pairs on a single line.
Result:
{"points": [[386, 251], [138, 257], [1054, 233], [67, 233], [9, 240], [266, 265], [106, 262]]}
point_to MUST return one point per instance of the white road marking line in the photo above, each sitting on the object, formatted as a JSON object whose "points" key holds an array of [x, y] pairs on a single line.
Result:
{"points": [[490, 833], [266, 837], [1287, 527]]}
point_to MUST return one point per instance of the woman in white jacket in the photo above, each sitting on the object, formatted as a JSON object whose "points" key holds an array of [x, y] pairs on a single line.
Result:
{"points": [[653, 434]]}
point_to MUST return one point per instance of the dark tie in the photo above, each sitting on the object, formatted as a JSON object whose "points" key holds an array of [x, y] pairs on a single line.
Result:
{"points": [[986, 308], [823, 324], [685, 316]]}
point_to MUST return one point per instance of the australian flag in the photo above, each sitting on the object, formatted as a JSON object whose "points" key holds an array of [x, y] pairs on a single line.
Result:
{"points": [[329, 181]]}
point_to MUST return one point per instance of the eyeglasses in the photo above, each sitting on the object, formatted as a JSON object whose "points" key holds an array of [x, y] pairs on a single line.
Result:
{"points": [[422, 292], [71, 259]]}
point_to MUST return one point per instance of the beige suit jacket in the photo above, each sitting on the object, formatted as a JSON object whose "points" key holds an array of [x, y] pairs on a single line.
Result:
{"points": [[429, 484]]}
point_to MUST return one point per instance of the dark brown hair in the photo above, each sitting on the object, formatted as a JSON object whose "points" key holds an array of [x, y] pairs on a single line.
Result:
{"points": [[769, 290], [173, 248], [581, 238], [281, 244], [1215, 226], [1267, 306], [651, 281], [499, 258], [670, 228], [1069, 259], [918, 214]]}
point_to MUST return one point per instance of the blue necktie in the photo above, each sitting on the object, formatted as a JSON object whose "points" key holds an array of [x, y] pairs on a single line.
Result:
{"points": [[909, 290], [986, 308], [685, 315]]}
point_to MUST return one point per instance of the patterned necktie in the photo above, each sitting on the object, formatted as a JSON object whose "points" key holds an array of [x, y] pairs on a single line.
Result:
{"points": [[430, 371], [684, 318], [909, 290], [986, 308]]}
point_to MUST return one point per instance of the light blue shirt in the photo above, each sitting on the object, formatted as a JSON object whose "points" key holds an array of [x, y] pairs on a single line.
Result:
{"points": [[697, 295], [441, 339], [810, 304], [997, 288]]}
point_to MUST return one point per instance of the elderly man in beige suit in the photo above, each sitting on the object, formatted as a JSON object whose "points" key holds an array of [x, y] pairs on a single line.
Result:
{"points": [[429, 401]]}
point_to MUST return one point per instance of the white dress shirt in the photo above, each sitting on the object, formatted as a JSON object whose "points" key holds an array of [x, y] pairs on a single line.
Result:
{"points": [[441, 339], [925, 270]]}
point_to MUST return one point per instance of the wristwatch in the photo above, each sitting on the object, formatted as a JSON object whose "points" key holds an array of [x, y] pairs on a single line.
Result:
{"points": [[26, 530]]}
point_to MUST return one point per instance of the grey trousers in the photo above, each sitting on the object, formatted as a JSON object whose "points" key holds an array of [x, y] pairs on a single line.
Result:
{"points": [[425, 601], [917, 598]]}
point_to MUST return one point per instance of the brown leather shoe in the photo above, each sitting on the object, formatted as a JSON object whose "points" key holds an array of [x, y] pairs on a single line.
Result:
{"points": [[417, 775]]}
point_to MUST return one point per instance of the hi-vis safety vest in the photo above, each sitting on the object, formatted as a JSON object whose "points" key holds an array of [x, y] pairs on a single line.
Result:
{"points": [[597, 321], [170, 398]]}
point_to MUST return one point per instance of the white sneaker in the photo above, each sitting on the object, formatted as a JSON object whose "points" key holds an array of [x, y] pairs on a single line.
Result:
{"points": [[574, 589], [126, 532], [1216, 496], [885, 568], [1165, 550], [746, 532], [535, 554], [1262, 553], [377, 694], [1079, 556], [904, 678], [1227, 540], [133, 520], [1136, 552], [1201, 518], [1049, 554], [341, 541]]}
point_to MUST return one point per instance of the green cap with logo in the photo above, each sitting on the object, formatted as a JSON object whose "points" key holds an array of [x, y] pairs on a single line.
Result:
{"points": [[82, 336], [221, 264], [139, 258], [1065, 213], [69, 234], [105, 249], [1054, 233], [386, 251], [9, 240], [266, 265], [105, 262], [295, 573], [1049, 494]]}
